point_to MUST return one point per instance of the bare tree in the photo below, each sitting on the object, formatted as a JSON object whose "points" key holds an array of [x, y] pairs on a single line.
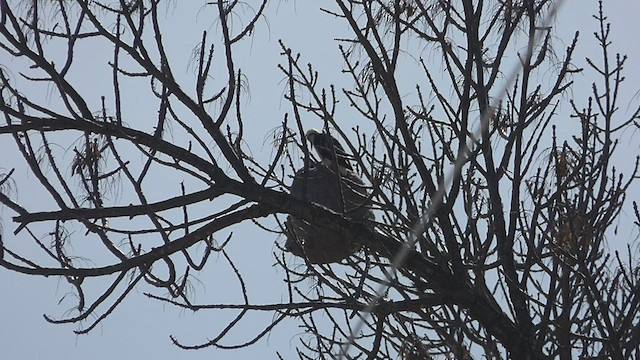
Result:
{"points": [[503, 206]]}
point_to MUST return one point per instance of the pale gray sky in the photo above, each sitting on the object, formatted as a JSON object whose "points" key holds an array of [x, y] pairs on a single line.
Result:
{"points": [[140, 328]]}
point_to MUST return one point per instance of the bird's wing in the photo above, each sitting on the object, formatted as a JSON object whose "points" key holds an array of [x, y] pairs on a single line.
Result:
{"points": [[342, 156]]}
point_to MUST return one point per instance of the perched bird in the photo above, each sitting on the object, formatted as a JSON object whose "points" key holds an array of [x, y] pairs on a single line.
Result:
{"points": [[329, 148], [317, 184]]}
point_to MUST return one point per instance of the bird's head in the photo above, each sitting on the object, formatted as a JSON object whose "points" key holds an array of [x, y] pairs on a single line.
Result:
{"points": [[311, 134]]}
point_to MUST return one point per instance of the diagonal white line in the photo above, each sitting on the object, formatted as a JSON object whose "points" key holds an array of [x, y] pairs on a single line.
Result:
{"points": [[421, 225]]}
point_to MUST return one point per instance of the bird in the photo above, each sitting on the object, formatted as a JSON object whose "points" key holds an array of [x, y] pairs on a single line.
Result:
{"points": [[329, 148]]}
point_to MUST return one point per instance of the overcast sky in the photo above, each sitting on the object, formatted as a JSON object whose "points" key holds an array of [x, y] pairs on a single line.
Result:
{"points": [[140, 328]]}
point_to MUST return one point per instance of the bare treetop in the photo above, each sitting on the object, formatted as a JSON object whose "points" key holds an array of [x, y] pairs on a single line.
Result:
{"points": [[459, 204]]}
